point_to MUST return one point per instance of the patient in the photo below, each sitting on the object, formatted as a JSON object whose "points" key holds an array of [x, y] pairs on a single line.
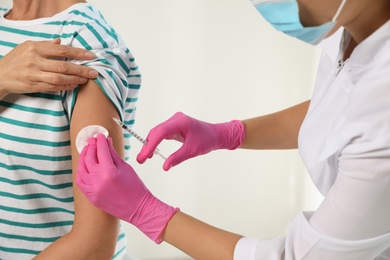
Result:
{"points": [[42, 214]]}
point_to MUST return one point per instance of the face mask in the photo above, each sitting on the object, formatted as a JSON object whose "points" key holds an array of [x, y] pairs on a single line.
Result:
{"points": [[283, 15]]}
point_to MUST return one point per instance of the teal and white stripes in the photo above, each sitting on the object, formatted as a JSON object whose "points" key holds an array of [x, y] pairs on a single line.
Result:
{"points": [[36, 197]]}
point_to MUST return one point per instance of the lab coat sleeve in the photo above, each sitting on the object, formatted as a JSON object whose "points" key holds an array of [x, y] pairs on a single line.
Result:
{"points": [[353, 220], [303, 241]]}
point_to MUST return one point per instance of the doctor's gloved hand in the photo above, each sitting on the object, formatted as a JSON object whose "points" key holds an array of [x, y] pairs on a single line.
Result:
{"points": [[198, 138], [113, 186]]}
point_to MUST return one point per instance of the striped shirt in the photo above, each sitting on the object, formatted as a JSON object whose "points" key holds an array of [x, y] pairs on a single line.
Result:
{"points": [[36, 197]]}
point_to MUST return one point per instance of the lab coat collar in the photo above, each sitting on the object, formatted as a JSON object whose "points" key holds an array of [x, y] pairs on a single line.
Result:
{"points": [[366, 51]]}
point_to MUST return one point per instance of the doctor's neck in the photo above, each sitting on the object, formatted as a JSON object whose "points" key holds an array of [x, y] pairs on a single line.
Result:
{"points": [[365, 20]]}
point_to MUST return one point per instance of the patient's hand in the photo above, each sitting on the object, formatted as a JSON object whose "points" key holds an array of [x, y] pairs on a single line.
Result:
{"points": [[37, 67]]}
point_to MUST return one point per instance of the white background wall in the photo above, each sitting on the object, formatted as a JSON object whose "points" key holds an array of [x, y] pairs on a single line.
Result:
{"points": [[216, 61]]}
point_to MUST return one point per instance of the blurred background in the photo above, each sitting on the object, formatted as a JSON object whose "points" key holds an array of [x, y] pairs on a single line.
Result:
{"points": [[216, 61]]}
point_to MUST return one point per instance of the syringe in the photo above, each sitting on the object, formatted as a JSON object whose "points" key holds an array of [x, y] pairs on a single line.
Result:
{"points": [[139, 138]]}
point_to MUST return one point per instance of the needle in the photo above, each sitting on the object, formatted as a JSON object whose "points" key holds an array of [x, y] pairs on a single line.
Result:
{"points": [[139, 138]]}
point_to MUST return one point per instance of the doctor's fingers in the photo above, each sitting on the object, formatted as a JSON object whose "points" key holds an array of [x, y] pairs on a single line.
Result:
{"points": [[83, 179], [115, 157], [85, 183], [104, 152], [182, 154], [91, 159], [163, 131]]}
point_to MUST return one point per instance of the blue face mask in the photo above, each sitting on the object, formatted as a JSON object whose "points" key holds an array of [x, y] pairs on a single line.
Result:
{"points": [[283, 15]]}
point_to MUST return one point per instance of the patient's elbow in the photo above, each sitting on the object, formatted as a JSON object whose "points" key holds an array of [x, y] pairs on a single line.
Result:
{"points": [[99, 242], [105, 248]]}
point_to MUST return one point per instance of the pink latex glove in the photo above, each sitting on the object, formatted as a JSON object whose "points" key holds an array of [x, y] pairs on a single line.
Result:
{"points": [[113, 186], [198, 138]]}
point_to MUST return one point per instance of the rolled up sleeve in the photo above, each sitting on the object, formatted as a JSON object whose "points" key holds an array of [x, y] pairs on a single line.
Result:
{"points": [[303, 241]]}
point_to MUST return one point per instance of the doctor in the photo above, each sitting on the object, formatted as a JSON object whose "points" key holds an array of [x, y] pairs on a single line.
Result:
{"points": [[343, 136]]}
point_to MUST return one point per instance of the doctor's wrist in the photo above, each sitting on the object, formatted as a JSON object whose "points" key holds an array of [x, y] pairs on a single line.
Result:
{"points": [[231, 134], [152, 217]]}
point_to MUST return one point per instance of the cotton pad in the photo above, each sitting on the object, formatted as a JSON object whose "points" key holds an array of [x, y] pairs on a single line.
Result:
{"points": [[86, 133]]}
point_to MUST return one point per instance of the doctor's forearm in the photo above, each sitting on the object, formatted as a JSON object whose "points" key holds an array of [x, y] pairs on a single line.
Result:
{"points": [[275, 131], [198, 239]]}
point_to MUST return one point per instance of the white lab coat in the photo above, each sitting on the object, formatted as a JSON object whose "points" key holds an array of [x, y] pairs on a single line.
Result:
{"points": [[344, 142]]}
